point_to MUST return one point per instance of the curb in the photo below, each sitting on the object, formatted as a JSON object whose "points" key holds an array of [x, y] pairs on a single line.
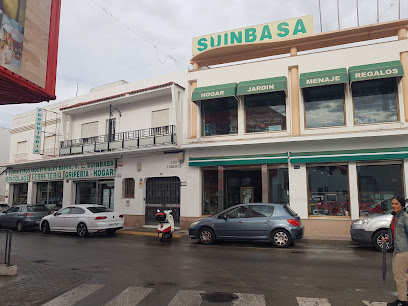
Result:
{"points": [[145, 234]]}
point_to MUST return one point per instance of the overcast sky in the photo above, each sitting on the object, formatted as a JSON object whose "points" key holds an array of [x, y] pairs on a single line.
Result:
{"points": [[96, 49]]}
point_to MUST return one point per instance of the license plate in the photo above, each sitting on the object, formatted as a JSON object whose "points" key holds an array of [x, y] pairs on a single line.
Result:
{"points": [[160, 235], [113, 224], [38, 222]]}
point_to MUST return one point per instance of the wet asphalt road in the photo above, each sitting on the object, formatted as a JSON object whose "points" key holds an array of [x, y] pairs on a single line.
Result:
{"points": [[344, 274]]}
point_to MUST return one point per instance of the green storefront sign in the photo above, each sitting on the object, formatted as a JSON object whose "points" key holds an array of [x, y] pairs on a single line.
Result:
{"points": [[94, 173], [96, 169], [18, 178], [262, 86], [214, 92], [321, 78], [274, 31], [376, 71]]}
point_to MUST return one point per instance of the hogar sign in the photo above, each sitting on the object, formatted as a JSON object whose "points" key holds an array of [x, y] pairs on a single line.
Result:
{"points": [[279, 30]]}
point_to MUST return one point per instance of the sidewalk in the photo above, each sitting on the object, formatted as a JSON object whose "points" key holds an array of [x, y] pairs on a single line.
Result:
{"points": [[37, 283], [151, 231]]}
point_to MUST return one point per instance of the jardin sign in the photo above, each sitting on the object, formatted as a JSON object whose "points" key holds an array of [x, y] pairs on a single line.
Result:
{"points": [[292, 28]]}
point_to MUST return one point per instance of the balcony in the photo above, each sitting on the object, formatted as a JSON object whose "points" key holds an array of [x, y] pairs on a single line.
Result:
{"points": [[164, 135]]}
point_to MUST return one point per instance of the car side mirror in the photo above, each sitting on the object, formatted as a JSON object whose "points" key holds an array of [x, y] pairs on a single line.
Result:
{"points": [[56, 213], [225, 217]]}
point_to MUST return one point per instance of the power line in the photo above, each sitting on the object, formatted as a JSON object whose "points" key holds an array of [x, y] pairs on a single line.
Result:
{"points": [[392, 4], [146, 41]]}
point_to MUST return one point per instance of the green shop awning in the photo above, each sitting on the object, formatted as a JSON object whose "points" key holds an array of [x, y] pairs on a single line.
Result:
{"points": [[376, 71], [214, 92], [262, 86], [351, 155], [321, 78], [239, 160]]}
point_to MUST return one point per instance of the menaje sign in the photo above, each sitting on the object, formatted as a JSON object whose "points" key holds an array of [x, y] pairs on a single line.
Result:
{"points": [[279, 30]]}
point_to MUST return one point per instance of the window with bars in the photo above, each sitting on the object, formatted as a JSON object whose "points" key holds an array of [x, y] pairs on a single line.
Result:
{"points": [[128, 188], [163, 190]]}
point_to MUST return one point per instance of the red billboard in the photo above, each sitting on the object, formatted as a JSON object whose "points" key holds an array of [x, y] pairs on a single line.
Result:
{"points": [[29, 32]]}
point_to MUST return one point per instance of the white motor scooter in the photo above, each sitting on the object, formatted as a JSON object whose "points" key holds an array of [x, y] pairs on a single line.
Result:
{"points": [[165, 226]]}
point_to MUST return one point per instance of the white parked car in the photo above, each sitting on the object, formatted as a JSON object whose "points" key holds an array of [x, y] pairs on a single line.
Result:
{"points": [[83, 219]]}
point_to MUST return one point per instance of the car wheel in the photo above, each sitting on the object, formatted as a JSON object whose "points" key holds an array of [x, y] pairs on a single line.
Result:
{"points": [[82, 230], [111, 232], [206, 236], [20, 226], [45, 227], [377, 240], [280, 238]]}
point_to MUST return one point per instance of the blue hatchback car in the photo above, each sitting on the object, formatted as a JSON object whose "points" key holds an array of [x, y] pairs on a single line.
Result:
{"points": [[276, 223]]}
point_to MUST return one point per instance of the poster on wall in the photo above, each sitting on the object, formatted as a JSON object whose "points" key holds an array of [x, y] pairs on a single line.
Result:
{"points": [[12, 21]]}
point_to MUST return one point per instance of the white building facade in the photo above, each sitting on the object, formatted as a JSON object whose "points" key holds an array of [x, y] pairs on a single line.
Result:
{"points": [[325, 131]]}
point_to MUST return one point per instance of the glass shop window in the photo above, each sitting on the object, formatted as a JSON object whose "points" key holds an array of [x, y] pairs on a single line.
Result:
{"points": [[324, 106], [375, 101], [265, 112], [50, 194], [219, 116], [210, 194], [20, 193], [328, 191], [86, 193], [377, 185]]}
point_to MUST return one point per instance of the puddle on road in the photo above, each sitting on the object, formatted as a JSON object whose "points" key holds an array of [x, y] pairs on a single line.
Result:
{"points": [[219, 297]]}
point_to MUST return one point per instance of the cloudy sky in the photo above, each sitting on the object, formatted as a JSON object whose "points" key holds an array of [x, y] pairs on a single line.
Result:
{"points": [[102, 41]]}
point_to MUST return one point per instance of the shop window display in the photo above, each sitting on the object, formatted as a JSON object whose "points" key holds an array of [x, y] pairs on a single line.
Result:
{"points": [[210, 192], [328, 191], [377, 185], [86, 193], [375, 101], [242, 186], [50, 194], [265, 112], [219, 116], [324, 106], [20, 194]]}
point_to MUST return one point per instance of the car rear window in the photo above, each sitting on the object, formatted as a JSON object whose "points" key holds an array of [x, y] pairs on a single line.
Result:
{"points": [[289, 210], [99, 209], [35, 208]]}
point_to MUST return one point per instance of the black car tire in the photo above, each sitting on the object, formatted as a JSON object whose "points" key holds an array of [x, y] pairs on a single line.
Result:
{"points": [[111, 232], [206, 236], [281, 238], [376, 240], [82, 230], [20, 226], [45, 227]]}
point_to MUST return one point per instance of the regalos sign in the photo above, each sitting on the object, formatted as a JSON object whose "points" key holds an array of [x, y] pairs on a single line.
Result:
{"points": [[256, 34]]}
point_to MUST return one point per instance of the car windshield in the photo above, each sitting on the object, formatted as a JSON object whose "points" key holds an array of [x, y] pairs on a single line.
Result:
{"points": [[36, 208], [289, 210], [99, 209]]}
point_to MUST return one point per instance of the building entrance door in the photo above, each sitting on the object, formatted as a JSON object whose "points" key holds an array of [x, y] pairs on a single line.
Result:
{"points": [[162, 193]]}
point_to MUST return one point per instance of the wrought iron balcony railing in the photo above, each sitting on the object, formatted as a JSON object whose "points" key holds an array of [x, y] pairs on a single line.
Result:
{"points": [[126, 140]]}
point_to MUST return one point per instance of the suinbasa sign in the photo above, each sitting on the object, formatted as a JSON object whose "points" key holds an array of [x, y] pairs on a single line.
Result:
{"points": [[255, 34]]}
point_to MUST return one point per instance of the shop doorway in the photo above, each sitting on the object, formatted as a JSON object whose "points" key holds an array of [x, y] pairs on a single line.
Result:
{"points": [[96, 192], [242, 186], [279, 185], [106, 193], [162, 193]]}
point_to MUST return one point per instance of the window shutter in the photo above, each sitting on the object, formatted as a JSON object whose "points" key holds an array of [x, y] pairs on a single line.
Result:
{"points": [[89, 129]]}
